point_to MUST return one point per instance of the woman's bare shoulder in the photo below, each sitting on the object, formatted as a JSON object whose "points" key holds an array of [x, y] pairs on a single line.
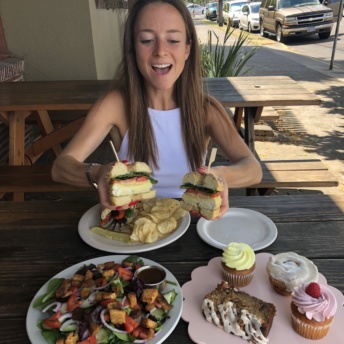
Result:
{"points": [[110, 106]]}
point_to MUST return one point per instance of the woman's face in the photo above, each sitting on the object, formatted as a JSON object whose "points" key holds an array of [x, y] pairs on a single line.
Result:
{"points": [[160, 45]]}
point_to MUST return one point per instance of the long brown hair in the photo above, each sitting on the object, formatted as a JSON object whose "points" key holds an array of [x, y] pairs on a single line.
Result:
{"points": [[188, 91]]}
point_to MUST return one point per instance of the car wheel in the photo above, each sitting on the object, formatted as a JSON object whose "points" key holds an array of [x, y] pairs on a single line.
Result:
{"points": [[324, 35], [249, 27], [279, 35], [262, 32]]}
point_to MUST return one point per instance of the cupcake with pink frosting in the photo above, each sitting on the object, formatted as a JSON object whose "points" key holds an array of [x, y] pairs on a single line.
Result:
{"points": [[313, 307]]}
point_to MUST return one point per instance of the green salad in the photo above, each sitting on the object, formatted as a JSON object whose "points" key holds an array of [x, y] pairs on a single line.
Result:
{"points": [[103, 304]]}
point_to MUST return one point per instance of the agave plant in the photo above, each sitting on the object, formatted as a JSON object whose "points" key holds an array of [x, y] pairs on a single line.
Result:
{"points": [[223, 60]]}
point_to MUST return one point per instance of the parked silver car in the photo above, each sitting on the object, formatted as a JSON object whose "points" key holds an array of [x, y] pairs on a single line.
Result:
{"points": [[211, 10], [231, 11], [195, 9], [249, 17]]}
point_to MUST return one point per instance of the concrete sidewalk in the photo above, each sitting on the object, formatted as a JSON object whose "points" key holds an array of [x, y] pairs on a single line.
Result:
{"points": [[304, 132]]}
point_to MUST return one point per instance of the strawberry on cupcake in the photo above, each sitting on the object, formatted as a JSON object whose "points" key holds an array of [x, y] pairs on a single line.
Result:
{"points": [[313, 307]]}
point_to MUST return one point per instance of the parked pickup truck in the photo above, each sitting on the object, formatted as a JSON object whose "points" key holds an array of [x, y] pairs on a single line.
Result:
{"points": [[288, 18]]}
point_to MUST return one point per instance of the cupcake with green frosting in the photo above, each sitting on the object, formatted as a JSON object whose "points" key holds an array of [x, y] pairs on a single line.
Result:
{"points": [[238, 264]]}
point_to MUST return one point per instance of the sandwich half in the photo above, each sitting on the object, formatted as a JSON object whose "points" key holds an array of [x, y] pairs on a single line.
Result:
{"points": [[130, 183], [202, 194]]}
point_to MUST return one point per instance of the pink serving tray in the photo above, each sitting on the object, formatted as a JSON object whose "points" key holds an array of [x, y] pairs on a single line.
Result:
{"points": [[205, 279]]}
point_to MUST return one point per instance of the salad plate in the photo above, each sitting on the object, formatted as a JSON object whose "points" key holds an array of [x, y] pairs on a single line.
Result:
{"points": [[34, 315], [92, 218], [238, 225]]}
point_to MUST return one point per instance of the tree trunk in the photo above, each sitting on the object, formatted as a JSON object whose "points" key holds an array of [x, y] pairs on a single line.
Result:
{"points": [[219, 13]]}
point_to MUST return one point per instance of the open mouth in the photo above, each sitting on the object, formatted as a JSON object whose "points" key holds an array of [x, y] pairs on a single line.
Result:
{"points": [[161, 69]]}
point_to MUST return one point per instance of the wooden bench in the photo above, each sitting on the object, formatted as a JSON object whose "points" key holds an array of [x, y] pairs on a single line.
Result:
{"points": [[33, 178], [292, 174], [276, 174]]}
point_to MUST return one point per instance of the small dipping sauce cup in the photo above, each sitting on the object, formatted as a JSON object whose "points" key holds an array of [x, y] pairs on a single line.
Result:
{"points": [[152, 276]]}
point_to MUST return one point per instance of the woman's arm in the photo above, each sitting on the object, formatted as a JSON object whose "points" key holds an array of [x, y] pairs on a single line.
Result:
{"points": [[69, 166], [244, 170]]}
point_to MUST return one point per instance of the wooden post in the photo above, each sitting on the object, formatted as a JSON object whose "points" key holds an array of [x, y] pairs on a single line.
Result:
{"points": [[210, 48]]}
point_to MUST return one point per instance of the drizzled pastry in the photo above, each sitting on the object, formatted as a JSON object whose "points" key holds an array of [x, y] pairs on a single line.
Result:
{"points": [[288, 270], [239, 313]]}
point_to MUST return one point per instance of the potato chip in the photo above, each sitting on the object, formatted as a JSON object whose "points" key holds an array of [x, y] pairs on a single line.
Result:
{"points": [[168, 203], [134, 237], [152, 236], [152, 217], [167, 226], [179, 213], [161, 215], [155, 219]]}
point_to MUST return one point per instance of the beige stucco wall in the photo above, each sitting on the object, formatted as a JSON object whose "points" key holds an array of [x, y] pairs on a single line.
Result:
{"points": [[63, 39], [107, 31]]}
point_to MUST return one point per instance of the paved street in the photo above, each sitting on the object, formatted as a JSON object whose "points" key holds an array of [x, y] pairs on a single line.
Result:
{"points": [[312, 131]]}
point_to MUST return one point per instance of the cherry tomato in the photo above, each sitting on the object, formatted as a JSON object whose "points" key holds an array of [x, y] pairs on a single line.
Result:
{"points": [[73, 303], [89, 340], [130, 324], [126, 274], [53, 321]]}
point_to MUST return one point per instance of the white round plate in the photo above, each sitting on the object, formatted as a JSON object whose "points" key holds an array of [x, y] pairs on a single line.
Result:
{"points": [[238, 225], [92, 218], [33, 314]]}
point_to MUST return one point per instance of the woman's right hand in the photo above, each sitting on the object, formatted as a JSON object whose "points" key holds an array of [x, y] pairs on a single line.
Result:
{"points": [[103, 186]]}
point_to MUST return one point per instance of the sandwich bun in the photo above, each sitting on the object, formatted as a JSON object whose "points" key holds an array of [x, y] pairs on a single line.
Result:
{"points": [[202, 194], [130, 183]]}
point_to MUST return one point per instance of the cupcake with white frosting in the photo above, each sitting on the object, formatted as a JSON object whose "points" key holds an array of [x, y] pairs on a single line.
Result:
{"points": [[313, 307], [238, 264], [287, 270]]}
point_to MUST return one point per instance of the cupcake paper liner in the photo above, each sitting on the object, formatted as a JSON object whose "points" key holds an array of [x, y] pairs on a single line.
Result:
{"points": [[309, 331], [237, 280]]}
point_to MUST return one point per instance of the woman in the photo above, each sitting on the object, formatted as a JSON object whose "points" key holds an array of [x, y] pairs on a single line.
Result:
{"points": [[158, 113]]}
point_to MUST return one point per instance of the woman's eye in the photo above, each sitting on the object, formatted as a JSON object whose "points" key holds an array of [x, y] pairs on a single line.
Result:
{"points": [[173, 41], [146, 41]]}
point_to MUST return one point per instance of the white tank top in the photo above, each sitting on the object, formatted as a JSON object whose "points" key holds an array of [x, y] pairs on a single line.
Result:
{"points": [[172, 158]]}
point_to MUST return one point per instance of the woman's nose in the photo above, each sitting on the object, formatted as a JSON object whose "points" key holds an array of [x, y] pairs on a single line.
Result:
{"points": [[160, 48]]}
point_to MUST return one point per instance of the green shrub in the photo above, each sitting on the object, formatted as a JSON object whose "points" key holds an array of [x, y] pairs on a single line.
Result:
{"points": [[225, 61]]}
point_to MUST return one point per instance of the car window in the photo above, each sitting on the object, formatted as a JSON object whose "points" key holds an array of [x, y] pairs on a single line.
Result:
{"points": [[255, 8], [273, 3]]}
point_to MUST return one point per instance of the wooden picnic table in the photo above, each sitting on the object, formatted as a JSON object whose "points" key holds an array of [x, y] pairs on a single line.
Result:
{"points": [[40, 239], [18, 100], [248, 95]]}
